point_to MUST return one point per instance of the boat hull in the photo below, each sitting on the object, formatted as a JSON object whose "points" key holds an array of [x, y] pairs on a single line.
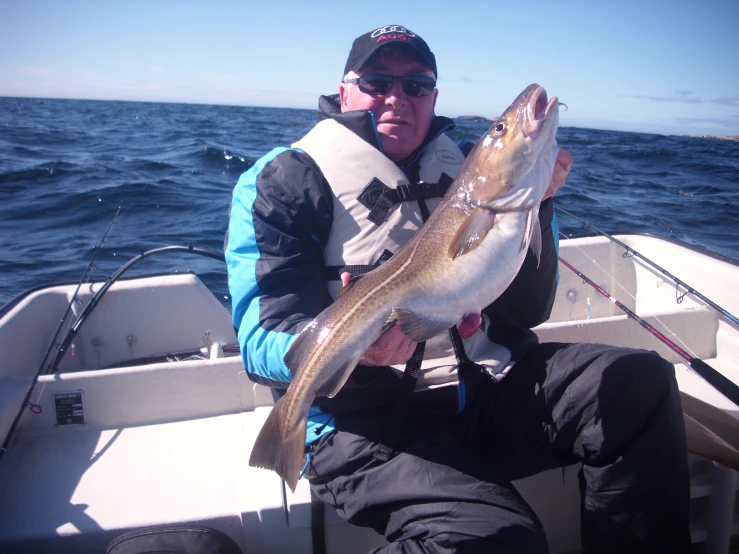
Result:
{"points": [[167, 440]]}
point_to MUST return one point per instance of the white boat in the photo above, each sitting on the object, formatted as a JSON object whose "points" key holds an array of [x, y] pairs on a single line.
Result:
{"points": [[150, 420]]}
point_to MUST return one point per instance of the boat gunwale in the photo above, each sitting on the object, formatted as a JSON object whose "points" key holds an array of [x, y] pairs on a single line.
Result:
{"points": [[588, 234], [13, 302], [671, 240]]}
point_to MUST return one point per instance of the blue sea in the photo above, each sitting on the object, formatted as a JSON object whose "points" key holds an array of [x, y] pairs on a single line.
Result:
{"points": [[67, 166]]}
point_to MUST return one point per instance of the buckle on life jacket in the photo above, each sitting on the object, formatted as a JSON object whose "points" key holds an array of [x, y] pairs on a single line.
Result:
{"points": [[378, 198]]}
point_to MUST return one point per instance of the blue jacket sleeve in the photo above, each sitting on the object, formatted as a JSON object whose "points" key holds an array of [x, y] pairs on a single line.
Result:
{"points": [[281, 215]]}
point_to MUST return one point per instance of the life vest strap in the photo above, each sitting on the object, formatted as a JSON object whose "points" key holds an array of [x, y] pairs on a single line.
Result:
{"points": [[378, 198], [333, 272]]}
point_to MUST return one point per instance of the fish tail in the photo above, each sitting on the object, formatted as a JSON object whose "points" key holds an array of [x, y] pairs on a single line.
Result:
{"points": [[279, 446]]}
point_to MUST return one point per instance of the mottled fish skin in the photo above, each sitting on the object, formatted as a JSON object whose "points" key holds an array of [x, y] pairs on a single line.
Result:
{"points": [[460, 261]]}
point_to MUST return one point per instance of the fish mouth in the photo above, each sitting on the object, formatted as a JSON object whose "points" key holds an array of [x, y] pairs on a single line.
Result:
{"points": [[537, 111]]}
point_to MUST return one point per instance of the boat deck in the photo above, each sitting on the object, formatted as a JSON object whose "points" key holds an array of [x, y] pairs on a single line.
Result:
{"points": [[169, 442]]}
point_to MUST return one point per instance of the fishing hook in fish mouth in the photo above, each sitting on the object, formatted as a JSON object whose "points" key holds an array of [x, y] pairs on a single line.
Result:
{"points": [[563, 104]]}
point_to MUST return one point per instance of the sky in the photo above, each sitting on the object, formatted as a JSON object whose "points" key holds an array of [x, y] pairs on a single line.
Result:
{"points": [[659, 66]]}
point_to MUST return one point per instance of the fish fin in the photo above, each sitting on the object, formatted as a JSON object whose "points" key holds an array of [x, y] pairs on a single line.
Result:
{"points": [[535, 241], [421, 327], [331, 388], [472, 232], [349, 285], [706, 443], [389, 323], [294, 356], [279, 447]]}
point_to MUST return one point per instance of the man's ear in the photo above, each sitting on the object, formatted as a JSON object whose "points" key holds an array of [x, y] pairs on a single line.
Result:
{"points": [[343, 94]]}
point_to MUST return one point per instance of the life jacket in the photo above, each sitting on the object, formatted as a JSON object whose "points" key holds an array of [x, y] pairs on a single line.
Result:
{"points": [[360, 177]]}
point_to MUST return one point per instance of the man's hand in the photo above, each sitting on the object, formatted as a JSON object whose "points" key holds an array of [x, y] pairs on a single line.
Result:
{"points": [[561, 169], [469, 325], [393, 347]]}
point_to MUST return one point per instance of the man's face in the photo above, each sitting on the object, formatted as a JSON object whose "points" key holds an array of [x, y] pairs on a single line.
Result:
{"points": [[402, 121]]}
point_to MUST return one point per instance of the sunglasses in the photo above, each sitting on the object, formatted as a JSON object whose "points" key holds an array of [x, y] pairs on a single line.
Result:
{"points": [[378, 84]]}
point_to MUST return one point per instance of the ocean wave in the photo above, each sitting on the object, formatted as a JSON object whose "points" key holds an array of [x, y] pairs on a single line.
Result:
{"points": [[144, 165], [228, 163], [42, 174]]}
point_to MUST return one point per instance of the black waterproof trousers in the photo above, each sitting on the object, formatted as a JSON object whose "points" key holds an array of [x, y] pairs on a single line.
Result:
{"points": [[447, 486]]}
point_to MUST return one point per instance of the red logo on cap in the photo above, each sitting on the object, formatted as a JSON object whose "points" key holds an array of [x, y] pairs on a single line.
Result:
{"points": [[393, 36]]}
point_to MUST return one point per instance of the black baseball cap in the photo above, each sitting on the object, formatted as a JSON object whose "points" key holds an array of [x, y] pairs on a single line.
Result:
{"points": [[371, 42]]}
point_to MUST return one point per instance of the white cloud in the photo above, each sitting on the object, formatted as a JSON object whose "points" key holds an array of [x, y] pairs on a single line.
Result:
{"points": [[681, 98], [734, 102]]}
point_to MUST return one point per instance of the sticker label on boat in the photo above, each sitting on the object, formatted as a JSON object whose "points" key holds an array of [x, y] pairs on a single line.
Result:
{"points": [[69, 408]]}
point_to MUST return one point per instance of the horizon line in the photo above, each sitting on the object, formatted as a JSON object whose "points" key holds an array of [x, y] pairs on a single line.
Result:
{"points": [[461, 116]]}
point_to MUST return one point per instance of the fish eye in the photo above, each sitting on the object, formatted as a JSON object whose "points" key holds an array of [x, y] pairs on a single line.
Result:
{"points": [[499, 128]]}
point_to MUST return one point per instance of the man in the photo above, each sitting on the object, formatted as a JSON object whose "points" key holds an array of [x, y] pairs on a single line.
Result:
{"points": [[425, 454]]}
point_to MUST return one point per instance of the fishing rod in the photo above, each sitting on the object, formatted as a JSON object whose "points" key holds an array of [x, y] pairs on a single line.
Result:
{"points": [[85, 314], [112, 279], [27, 400], [633, 252], [724, 385], [90, 267]]}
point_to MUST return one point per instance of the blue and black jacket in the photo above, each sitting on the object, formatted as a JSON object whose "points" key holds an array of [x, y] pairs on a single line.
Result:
{"points": [[280, 220]]}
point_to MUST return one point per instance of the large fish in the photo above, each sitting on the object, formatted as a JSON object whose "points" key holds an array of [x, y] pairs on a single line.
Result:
{"points": [[459, 262]]}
